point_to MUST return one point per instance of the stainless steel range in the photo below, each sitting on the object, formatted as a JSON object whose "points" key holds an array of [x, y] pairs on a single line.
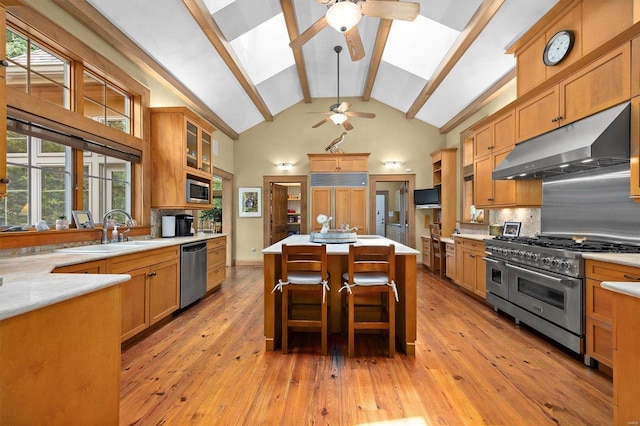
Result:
{"points": [[540, 282]]}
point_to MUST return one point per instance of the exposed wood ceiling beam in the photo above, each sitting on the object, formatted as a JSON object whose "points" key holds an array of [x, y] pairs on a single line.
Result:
{"points": [[376, 56], [480, 102], [292, 28], [203, 17], [478, 22], [84, 13]]}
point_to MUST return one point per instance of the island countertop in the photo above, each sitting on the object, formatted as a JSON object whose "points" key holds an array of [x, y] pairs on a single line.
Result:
{"points": [[341, 248]]}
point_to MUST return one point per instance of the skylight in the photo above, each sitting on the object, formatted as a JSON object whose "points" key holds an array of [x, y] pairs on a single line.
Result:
{"points": [[216, 5], [264, 51], [419, 46]]}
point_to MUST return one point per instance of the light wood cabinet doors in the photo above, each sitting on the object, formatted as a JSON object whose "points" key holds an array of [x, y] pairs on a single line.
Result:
{"points": [[472, 270], [181, 148], [604, 83], [326, 163], [153, 292], [216, 262], [426, 252], [450, 252], [347, 205], [599, 307]]}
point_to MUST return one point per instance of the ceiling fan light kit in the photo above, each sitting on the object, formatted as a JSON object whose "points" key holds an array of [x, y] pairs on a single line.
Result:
{"points": [[343, 16], [338, 118]]}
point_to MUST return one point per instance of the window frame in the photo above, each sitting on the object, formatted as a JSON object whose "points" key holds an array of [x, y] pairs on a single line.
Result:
{"points": [[42, 31]]}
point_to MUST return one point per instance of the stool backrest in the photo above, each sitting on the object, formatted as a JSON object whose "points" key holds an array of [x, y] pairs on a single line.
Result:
{"points": [[363, 258], [310, 258]]}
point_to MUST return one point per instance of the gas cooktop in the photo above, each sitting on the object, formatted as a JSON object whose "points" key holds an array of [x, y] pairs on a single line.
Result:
{"points": [[572, 244]]}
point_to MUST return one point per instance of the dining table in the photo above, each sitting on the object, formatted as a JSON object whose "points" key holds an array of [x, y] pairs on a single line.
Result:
{"points": [[337, 255]]}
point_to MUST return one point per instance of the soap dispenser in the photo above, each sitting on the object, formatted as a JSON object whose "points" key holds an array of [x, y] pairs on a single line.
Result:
{"points": [[114, 234]]}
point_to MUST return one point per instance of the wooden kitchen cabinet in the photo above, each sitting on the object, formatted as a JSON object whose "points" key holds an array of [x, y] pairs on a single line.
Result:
{"points": [[634, 187], [471, 268], [445, 178], [94, 267], [489, 193], [450, 253], [347, 205], [599, 307], [3, 108], [181, 149], [604, 83], [324, 163], [626, 368], [216, 262], [495, 135], [426, 251], [153, 292]]}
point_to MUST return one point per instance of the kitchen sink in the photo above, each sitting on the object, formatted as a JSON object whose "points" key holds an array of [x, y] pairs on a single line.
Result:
{"points": [[110, 248], [98, 248]]}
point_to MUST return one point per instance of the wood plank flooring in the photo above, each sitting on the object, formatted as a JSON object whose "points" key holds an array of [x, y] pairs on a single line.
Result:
{"points": [[472, 366]]}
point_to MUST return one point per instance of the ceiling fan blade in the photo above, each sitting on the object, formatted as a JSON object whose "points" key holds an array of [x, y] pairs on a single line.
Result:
{"points": [[354, 43], [321, 122], [318, 112], [343, 107], [347, 125], [406, 11], [360, 114], [308, 34]]}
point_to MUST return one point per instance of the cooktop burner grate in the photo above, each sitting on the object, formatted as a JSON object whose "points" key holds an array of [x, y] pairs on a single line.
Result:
{"points": [[573, 245]]}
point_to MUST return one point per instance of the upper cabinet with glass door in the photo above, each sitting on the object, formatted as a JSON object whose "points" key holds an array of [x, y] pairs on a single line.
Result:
{"points": [[198, 145]]}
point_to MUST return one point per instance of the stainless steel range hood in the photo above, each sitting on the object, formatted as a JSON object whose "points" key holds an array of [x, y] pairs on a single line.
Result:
{"points": [[597, 141]]}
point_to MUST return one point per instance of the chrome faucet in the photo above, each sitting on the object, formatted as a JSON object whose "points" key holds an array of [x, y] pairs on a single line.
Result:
{"points": [[130, 221]]}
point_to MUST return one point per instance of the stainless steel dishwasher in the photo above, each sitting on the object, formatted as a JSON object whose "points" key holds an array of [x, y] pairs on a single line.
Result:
{"points": [[193, 272]]}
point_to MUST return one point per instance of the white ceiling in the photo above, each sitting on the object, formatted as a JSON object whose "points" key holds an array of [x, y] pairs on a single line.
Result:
{"points": [[257, 33]]}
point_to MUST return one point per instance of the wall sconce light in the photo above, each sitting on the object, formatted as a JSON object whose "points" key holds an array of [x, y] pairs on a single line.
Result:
{"points": [[393, 164], [284, 166]]}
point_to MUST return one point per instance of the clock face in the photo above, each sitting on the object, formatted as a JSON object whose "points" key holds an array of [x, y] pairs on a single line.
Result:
{"points": [[558, 47]]}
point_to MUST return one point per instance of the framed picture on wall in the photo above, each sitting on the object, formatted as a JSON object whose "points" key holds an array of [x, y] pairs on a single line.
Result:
{"points": [[250, 202]]}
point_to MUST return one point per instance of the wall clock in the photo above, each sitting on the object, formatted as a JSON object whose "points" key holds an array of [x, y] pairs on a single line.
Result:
{"points": [[558, 47]]}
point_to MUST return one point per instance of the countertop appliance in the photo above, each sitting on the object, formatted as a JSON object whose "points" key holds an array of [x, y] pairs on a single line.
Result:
{"points": [[183, 225], [193, 272], [540, 282], [168, 226]]}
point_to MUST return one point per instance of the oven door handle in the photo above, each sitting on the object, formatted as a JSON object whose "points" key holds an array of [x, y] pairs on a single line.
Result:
{"points": [[497, 262], [566, 282]]}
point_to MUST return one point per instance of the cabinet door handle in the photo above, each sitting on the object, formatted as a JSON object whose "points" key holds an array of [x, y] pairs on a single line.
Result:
{"points": [[555, 119], [489, 199], [4, 180], [4, 63], [152, 274], [631, 277], [490, 147]]}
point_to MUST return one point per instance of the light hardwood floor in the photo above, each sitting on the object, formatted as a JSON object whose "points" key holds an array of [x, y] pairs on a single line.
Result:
{"points": [[472, 366]]}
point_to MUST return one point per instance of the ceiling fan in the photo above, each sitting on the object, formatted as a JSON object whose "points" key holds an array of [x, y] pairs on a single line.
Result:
{"points": [[339, 112], [344, 15]]}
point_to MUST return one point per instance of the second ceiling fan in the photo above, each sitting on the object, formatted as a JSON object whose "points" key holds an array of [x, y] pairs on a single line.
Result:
{"points": [[339, 112], [344, 15]]}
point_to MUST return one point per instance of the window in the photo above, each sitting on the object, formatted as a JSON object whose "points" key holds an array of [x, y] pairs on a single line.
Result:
{"points": [[37, 71], [106, 184], [41, 172], [105, 103], [40, 176]]}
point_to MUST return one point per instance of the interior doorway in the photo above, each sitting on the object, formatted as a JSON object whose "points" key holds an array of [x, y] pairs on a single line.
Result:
{"points": [[382, 207], [399, 215], [285, 201]]}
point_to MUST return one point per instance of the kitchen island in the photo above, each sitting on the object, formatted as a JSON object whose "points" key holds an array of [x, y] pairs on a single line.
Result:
{"points": [[338, 255]]}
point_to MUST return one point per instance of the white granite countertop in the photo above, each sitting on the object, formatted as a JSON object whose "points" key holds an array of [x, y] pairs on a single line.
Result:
{"points": [[447, 240], [28, 284], [630, 288], [628, 259], [401, 249], [479, 237]]}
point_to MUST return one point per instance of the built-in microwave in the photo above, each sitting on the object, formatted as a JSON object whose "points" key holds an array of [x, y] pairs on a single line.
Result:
{"points": [[198, 191]]}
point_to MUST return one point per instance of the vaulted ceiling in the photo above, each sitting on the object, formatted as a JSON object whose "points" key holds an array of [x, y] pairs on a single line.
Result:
{"points": [[232, 57]]}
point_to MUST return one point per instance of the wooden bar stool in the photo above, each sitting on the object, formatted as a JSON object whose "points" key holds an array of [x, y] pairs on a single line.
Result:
{"points": [[371, 271], [438, 256], [304, 268]]}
